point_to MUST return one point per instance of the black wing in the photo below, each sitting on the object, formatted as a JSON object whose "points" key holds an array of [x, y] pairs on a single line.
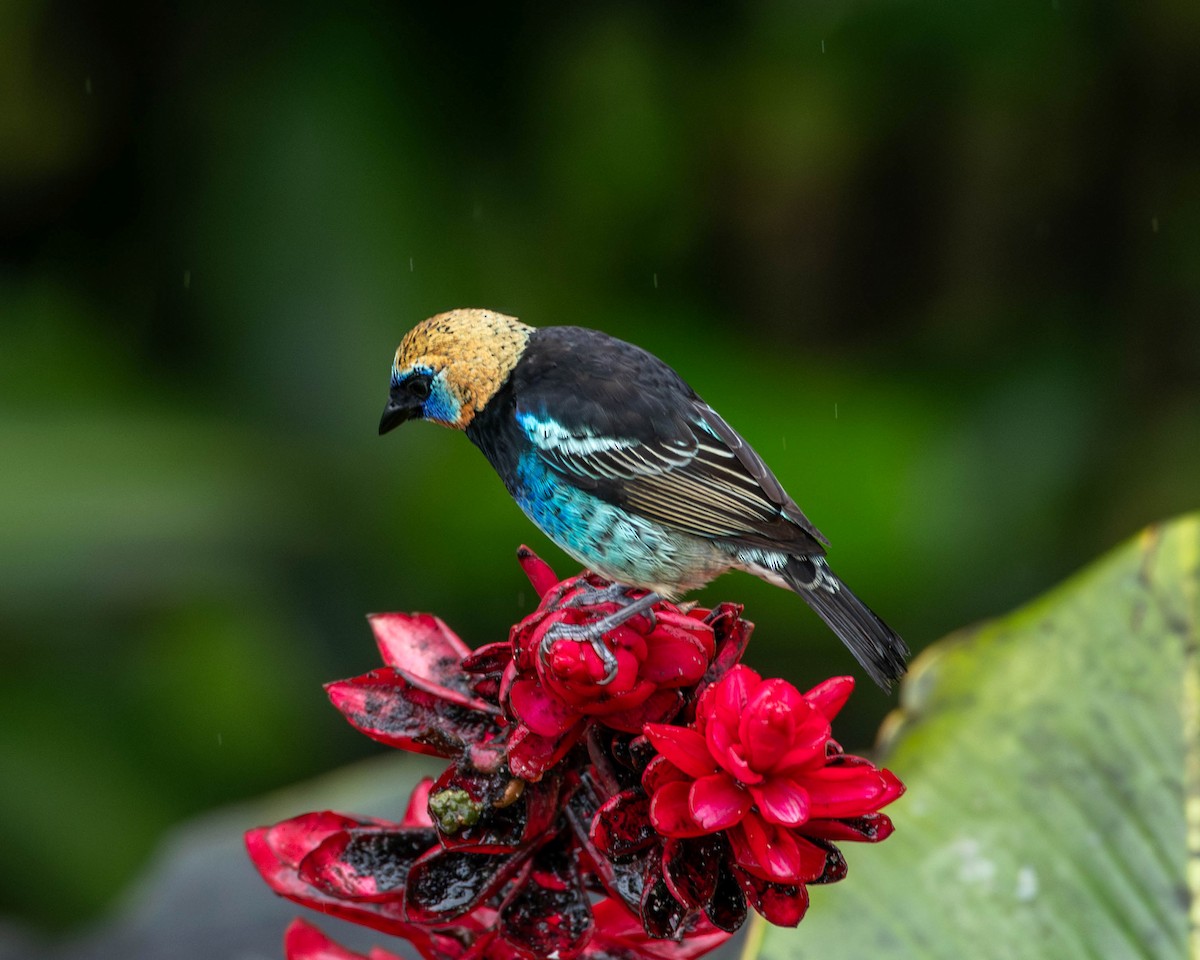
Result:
{"points": [[620, 423]]}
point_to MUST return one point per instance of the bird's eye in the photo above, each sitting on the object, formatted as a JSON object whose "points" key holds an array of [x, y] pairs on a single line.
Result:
{"points": [[419, 387]]}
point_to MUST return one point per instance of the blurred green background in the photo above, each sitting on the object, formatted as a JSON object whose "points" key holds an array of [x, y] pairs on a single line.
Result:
{"points": [[939, 262]]}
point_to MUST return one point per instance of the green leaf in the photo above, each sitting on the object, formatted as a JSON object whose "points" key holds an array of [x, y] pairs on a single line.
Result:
{"points": [[1052, 759]]}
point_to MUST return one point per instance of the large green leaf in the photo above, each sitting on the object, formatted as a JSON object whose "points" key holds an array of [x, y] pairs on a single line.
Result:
{"points": [[1052, 759]]}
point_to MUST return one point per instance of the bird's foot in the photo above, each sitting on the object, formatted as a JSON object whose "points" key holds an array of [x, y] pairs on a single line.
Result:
{"points": [[594, 631], [590, 594]]}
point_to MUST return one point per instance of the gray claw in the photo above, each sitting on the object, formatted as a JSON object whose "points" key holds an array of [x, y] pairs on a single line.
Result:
{"points": [[609, 660], [593, 595], [593, 633]]}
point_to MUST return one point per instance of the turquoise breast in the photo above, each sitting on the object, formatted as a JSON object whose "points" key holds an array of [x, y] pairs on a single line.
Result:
{"points": [[616, 544]]}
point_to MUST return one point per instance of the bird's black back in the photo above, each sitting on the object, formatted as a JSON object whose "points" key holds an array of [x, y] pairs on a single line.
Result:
{"points": [[687, 469], [587, 379]]}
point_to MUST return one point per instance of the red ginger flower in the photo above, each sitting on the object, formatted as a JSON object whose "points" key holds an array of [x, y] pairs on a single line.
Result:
{"points": [[759, 767], [475, 850], [551, 696], [530, 845], [484, 865]]}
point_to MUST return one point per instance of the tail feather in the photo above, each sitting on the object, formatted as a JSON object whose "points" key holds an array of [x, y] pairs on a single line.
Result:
{"points": [[880, 650]]}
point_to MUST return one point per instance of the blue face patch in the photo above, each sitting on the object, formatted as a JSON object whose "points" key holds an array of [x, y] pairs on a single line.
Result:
{"points": [[442, 405]]}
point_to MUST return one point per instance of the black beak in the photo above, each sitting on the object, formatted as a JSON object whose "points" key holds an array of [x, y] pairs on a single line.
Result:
{"points": [[395, 414]]}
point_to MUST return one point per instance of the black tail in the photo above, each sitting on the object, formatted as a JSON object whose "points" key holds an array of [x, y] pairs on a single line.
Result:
{"points": [[874, 644]]}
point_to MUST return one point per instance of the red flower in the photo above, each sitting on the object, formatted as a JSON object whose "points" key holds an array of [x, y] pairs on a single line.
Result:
{"points": [[656, 655], [552, 695], [581, 819], [759, 767], [448, 901], [484, 865], [422, 701]]}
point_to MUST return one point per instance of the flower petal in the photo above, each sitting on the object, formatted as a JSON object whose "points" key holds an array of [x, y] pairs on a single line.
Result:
{"points": [[721, 706], [726, 749], [420, 644], [541, 576], [727, 908], [870, 828], [848, 791], [835, 865], [688, 868], [717, 802], [782, 904], [621, 828], [622, 880], [732, 693], [490, 658], [662, 914], [277, 851], [530, 755], [767, 725], [446, 884], [731, 634], [392, 709], [542, 713], [417, 812], [303, 941], [607, 705], [659, 772], [830, 696], [369, 864], [289, 842], [775, 853], [660, 705], [781, 801], [676, 657], [892, 788], [809, 750], [549, 914], [683, 746], [696, 623], [670, 814], [576, 673]]}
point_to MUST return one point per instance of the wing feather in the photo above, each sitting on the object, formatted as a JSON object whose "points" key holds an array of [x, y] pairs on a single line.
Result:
{"points": [[695, 474]]}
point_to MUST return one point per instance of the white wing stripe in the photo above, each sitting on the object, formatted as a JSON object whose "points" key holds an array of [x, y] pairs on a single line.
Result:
{"points": [[741, 476], [717, 451], [701, 494], [684, 514], [700, 486], [713, 488]]}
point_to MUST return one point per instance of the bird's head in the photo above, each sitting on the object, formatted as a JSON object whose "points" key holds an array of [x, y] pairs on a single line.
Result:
{"points": [[448, 367]]}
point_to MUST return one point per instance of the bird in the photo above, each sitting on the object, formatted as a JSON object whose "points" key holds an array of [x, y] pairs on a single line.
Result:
{"points": [[621, 464]]}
